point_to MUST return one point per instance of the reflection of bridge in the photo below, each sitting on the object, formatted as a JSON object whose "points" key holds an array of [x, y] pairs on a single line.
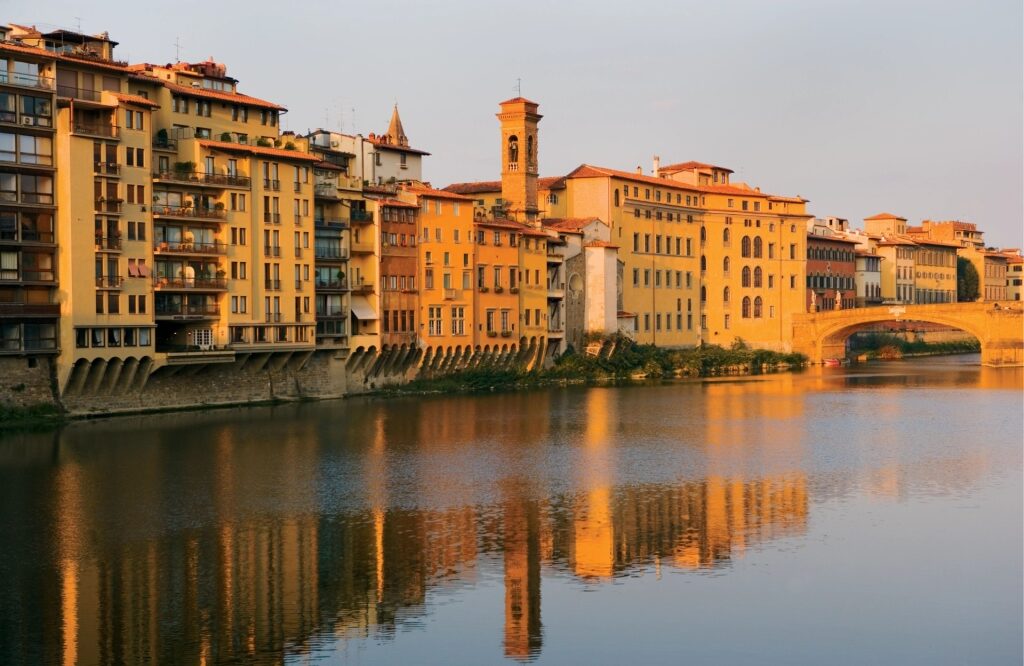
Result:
{"points": [[822, 335]]}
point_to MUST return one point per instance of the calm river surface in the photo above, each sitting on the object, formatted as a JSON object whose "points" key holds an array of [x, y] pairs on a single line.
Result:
{"points": [[866, 515]]}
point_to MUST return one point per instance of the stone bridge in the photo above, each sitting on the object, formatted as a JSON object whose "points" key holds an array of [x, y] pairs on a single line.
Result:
{"points": [[999, 329]]}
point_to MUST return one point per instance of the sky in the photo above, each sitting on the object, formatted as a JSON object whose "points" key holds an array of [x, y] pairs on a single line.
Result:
{"points": [[909, 107]]}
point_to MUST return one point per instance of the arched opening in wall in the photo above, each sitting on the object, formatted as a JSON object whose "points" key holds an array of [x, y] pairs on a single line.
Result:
{"points": [[901, 339]]}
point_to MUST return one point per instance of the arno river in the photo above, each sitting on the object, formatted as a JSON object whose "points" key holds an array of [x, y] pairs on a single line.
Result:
{"points": [[866, 515]]}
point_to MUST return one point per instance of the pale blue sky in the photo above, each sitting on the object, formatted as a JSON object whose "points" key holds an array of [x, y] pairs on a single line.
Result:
{"points": [[911, 107]]}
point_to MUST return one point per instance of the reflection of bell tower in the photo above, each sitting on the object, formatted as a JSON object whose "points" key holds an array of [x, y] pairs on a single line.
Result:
{"points": [[519, 120], [522, 579]]}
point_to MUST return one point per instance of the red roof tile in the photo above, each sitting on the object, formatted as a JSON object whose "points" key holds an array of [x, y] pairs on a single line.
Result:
{"points": [[395, 203], [233, 98], [886, 216], [436, 194], [259, 150], [689, 166], [478, 187], [574, 224], [385, 145], [138, 100]]}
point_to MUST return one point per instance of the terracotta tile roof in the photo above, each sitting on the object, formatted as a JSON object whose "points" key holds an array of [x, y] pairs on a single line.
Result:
{"points": [[600, 243], [64, 57], [922, 238], [886, 216], [834, 239], [258, 150], [590, 171], [477, 187], [775, 197], [515, 100], [622, 314], [395, 203], [233, 98], [551, 183], [866, 253], [735, 190], [138, 100], [436, 194], [495, 223], [329, 166], [1014, 258], [574, 224], [534, 231], [385, 145], [689, 166]]}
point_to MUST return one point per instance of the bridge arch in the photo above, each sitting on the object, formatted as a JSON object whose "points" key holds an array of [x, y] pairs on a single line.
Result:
{"points": [[823, 335]]}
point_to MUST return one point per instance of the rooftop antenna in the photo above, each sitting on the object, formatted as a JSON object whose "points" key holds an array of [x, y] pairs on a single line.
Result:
{"points": [[78, 23], [177, 49], [519, 87]]}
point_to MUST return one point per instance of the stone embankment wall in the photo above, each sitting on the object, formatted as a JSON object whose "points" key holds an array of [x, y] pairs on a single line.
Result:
{"points": [[26, 382]]}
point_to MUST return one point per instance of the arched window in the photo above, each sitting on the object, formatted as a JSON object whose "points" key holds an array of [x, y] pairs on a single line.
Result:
{"points": [[703, 263], [745, 312], [703, 294], [745, 247], [725, 236], [513, 150], [529, 150], [725, 265], [703, 234], [758, 305], [745, 279], [758, 274], [725, 295], [758, 247]]}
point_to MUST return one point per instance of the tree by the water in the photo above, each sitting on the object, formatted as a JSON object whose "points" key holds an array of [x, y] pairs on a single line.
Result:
{"points": [[967, 281]]}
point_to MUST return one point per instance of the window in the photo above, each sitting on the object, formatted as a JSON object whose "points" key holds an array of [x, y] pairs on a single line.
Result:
{"points": [[458, 320], [745, 250], [758, 274], [745, 309], [758, 304], [434, 320], [745, 276], [758, 247]]}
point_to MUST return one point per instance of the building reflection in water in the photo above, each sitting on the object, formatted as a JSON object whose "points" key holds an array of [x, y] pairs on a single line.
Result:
{"points": [[160, 543]]}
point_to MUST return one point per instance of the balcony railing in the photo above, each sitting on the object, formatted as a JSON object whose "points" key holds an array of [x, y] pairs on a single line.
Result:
{"points": [[271, 284], [190, 247], [297, 187], [331, 312], [330, 222], [363, 287], [79, 93], [109, 281], [165, 144], [40, 198], [26, 80], [192, 310], [272, 250], [97, 129], [29, 310], [108, 205], [328, 285], [26, 236], [452, 294], [362, 216], [190, 283], [271, 184], [108, 243], [274, 317], [331, 253], [26, 276], [326, 191], [272, 218], [190, 211], [107, 168], [200, 178]]}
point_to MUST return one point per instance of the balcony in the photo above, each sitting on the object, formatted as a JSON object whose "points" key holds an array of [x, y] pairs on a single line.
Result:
{"points": [[363, 287], [271, 184], [272, 218], [362, 247], [190, 247], [45, 276], [106, 168], [29, 310], [33, 81], [187, 311], [217, 180], [336, 312], [108, 243], [26, 236], [74, 92], [100, 130], [109, 282], [271, 284], [330, 223], [362, 217], [273, 317], [102, 205], [331, 285], [190, 284], [189, 212], [164, 143], [331, 253], [326, 191]]}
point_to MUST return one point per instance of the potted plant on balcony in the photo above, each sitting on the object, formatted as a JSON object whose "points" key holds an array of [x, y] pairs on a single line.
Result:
{"points": [[161, 138], [219, 206], [225, 137]]}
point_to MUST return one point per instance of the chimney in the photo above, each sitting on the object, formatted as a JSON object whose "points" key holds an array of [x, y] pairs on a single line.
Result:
{"points": [[639, 170], [657, 167]]}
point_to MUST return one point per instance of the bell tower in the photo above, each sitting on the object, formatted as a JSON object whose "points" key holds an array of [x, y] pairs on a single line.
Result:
{"points": [[519, 118]]}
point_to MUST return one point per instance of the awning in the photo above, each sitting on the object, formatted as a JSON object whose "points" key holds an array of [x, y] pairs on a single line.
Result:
{"points": [[362, 309]]}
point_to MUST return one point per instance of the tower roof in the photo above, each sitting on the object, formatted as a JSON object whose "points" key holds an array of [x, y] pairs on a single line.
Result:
{"points": [[396, 133]]}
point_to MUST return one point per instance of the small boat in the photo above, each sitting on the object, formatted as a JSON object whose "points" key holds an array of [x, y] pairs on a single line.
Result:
{"points": [[832, 362]]}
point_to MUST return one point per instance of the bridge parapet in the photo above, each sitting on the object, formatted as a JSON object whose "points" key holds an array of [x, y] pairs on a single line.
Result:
{"points": [[999, 329]]}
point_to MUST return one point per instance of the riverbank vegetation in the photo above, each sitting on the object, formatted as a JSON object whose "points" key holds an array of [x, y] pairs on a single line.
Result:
{"points": [[889, 346], [614, 358]]}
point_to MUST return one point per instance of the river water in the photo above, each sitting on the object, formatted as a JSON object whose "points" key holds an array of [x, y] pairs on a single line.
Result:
{"points": [[865, 515]]}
